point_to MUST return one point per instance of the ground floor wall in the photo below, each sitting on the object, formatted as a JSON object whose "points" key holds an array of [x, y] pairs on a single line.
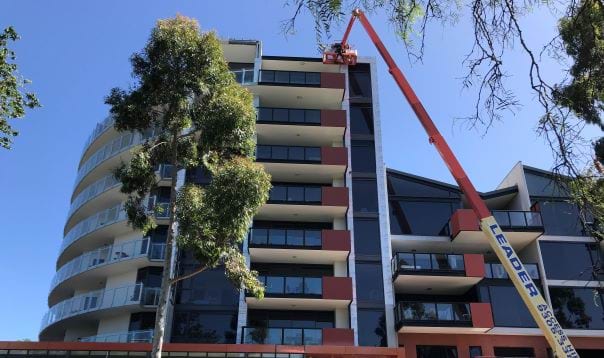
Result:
{"points": [[488, 342]]}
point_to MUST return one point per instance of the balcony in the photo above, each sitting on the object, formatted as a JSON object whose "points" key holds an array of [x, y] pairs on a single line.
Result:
{"points": [[89, 306], [497, 271], [303, 293], [297, 336], [303, 164], [244, 76], [304, 202], [437, 274], [163, 174], [106, 190], [298, 245], [145, 336], [91, 144], [300, 89], [520, 228], [442, 317], [86, 271]]}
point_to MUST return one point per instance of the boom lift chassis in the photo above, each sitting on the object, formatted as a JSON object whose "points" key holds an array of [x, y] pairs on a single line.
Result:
{"points": [[341, 53]]}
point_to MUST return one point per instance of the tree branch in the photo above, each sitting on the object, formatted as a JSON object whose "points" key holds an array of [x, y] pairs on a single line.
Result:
{"points": [[189, 275]]}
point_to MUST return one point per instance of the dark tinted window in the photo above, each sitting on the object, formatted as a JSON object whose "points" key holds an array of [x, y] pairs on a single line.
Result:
{"points": [[570, 260], [475, 351], [560, 218], [149, 276], [504, 352], [436, 352], [370, 282], [360, 84], [406, 187], [578, 307], [420, 217], [364, 195], [366, 236], [204, 327], [541, 185], [363, 156], [372, 328], [291, 319], [207, 288], [142, 321], [508, 308], [361, 120]]}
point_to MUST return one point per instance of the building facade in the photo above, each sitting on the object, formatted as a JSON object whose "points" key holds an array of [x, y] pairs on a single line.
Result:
{"points": [[351, 253]]}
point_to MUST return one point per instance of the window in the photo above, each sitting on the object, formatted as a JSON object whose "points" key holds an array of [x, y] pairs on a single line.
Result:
{"points": [[421, 217], [362, 156], [560, 218], [361, 119], [505, 352], [508, 308], [578, 307], [142, 321], [291, 319], [436, 352], [367, 237], [475, 351], [204, 327], [570, 260], [370, 282], [359, 81], [401, 186], [372, 328], [207, 288], [543, 185], [364, 196]]}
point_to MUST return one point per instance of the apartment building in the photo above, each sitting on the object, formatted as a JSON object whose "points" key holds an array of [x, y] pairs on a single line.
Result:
{"points": [[351, 253]]}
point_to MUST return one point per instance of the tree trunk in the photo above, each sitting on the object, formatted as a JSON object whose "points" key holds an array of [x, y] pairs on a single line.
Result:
{"points": [[162, 306]]}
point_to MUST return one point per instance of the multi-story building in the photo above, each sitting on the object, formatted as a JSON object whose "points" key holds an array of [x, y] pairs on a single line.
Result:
{"points": [[351, 253]]}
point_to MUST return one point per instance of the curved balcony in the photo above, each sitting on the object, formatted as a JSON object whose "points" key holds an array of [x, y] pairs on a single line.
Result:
{"points": [[88, 305], [94, 190], [101, 158], [88, 268], [101, 128], [145, 336]]}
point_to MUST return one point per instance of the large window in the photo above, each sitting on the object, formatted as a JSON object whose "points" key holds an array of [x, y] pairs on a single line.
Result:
{"points": [[367, 236], [401, 186], [370, 282], [420, 217], [364, 196], [561, 218], [204, 327], [436, 352], [508, 352], [578, 307], [359, 80], [207, 288], [361, 119], [508, 308], [543, 185], [570, 260], [372, 328], [363, 156], [291, 319]]}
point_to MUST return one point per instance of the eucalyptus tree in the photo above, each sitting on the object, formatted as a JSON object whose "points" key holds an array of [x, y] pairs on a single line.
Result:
{"points": [[12, 100], [200, 116]]}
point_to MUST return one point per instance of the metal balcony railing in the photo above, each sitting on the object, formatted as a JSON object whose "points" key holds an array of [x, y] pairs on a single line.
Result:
{"points": [[283, 153], [295, 194], [295, 78], [289, 116], [275, 237], [403, 262], [291, 285], [282, 336], [433, 313]]}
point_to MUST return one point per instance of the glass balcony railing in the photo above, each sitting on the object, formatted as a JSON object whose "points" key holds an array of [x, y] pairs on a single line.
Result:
{"points": [[100, 186], [275, 237], [108, 255], [295, 194], [116, 146], [164, 171], [289, 115], [433, 313], [518, 220], [244, 76], [294, 78], [495, 270], [100, 128], [427, 263], [101, 219], [145, 336], [283, 153], [100, 300], [291, 285], [282, 336]]}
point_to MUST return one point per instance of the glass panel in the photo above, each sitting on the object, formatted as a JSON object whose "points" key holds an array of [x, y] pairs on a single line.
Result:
{"points": [[259, 236], [372, 331], [517, 218], [456, 262], [295, 237], [312, 195], [296, 153], [294, 285], [502, 218], [461, 312], [273, 336], [265, 114], [281, 77], [276, 237], [313, 154], [488, 273], [312, 238], [313, 116], [278, 193], [366, 236], [312, 285], [533, 219], [440, 262], [279, 153], [296, 115], [267, 76], [313, 337], [422, 262], [532, 270], [444, 311], [405, 261], [298, 78], [248, 75], [295, 194], [313, 78], [274, 284], [498, 271], [263, 152], [292, 336], [280, 115]]}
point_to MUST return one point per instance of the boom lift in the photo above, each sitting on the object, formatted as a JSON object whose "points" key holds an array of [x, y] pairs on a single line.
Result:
{"points": [[341, 53]]}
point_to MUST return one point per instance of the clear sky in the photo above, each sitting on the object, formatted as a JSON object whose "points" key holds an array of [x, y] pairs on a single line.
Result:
{"points": [[75, 51]]}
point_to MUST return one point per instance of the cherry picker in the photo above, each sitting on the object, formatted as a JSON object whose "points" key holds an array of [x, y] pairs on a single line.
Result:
{"points": [[342, 53]]}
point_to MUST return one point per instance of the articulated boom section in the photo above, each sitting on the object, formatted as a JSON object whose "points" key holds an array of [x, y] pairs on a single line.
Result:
{"points": [[341, 53]]}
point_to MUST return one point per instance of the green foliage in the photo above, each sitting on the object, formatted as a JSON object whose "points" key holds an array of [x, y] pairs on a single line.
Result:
{"points": [[185, 92], [588, 192], [583, 37], [12, 100]]}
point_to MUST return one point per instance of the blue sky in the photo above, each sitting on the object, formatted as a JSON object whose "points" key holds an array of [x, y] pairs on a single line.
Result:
{"points": [[75, 51]]}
